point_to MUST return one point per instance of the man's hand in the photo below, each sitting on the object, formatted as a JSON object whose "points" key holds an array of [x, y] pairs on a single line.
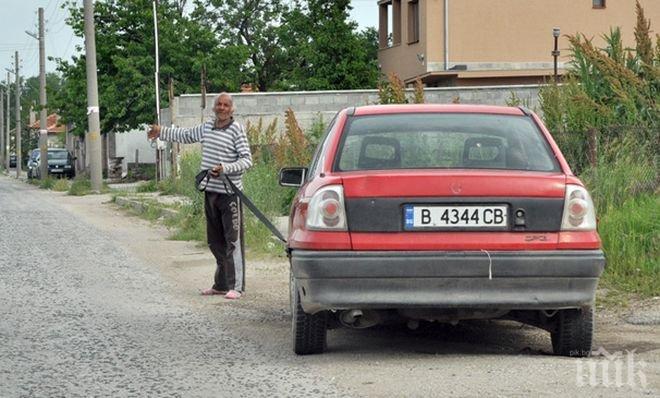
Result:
{"points": [[154, 132], [216, 171]]}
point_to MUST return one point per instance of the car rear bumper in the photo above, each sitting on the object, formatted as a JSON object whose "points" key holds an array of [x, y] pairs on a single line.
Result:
{"points": [[502, 280]]}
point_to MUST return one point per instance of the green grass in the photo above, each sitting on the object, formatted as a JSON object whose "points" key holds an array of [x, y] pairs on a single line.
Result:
{"points": [[149, 186], [47, 183], [190, 222], [631, 241], [61, 185], [80, 187], [151, 210]]}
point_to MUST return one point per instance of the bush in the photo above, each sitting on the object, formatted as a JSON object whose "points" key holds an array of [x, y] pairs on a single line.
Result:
{"points": [[47, 183], [61, 185], [80, 187]]}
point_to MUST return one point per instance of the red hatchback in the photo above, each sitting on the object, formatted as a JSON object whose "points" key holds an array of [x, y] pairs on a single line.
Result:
{"points": [[441, 213]]}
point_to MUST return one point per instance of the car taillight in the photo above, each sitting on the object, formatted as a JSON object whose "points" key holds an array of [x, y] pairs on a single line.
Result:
{"points": [[326, 209], [579, 212]]}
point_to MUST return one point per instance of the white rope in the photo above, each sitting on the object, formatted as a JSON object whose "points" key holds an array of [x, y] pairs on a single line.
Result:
{"points": [[490, 264]]}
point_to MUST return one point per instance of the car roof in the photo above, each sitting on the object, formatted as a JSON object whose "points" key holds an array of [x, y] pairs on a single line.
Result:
{"points": [[437, 108]]}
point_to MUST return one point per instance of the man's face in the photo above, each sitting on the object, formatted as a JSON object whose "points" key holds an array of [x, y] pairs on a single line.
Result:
{"points": [[223, 108]]}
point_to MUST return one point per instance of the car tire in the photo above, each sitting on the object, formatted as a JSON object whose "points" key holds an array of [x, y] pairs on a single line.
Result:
{"points": [[309, 331], [573, 334]]}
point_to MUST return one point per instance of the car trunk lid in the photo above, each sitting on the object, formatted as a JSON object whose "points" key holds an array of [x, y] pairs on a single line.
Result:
{"points": [[376, 204]]}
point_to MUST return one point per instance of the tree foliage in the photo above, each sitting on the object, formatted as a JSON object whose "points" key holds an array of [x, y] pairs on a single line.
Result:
{"points": [[309, 45], [125, 47], [252, 25], [324, 49]]}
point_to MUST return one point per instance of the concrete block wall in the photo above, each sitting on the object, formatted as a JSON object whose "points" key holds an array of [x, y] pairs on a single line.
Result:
{"points": [[310, 105]]}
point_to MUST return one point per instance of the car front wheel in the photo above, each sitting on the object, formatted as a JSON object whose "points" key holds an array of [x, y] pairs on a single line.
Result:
{"points": [[309, 331], [573, 334]]}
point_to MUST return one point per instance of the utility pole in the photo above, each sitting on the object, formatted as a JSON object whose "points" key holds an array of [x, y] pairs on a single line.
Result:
{"points": [[7, 140], [43, 127], [93, 136], [18, 117], [2, 128], [159, 152]]}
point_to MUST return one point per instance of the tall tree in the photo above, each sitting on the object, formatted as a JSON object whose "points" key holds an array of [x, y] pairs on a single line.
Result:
{"points": [[125, 60], [252, 24], [325, 49]]}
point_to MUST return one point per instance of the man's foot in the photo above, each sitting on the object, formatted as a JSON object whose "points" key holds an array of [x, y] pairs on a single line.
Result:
{"points": [[233, 295], [212, 292]]}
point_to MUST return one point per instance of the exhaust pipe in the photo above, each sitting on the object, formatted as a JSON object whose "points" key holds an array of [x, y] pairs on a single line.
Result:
{"points": [[358, 319]]}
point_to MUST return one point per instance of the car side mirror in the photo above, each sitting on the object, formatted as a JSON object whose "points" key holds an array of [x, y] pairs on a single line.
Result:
{"points": [[292, 176]]}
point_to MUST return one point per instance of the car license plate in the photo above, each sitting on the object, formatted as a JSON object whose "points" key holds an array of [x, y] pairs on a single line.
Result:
{"points": [[56, 170], [421, 217]]}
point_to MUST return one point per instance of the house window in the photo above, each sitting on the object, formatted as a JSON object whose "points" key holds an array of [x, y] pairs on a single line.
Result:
{"points": [[599, 3], [389, 24], [413, 21]]}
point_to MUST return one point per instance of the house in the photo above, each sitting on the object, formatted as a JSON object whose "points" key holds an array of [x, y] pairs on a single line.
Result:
{"points": [[487, 42], [56, 130]]}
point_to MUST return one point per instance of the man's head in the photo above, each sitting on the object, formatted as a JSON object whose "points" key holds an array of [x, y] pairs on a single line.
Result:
{"points": [[223, 106]]}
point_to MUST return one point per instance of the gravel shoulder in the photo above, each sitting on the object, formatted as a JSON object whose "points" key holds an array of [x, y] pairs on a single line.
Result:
{"points": [[494, 358]]}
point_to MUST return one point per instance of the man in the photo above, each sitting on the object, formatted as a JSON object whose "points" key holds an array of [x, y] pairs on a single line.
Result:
{"points": [[225, 152]]}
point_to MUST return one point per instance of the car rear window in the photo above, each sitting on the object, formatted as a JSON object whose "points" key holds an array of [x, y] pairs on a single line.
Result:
{"points": [[57, 155], [465, 141]]}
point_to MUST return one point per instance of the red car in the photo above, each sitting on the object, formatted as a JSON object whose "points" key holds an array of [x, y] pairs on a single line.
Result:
{"points": [[441, 213]]}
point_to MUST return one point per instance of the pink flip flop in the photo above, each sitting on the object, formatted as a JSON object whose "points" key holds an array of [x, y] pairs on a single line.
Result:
{"points": [[233, 295]]}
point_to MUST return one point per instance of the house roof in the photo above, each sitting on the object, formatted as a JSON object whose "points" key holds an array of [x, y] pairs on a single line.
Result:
{"points": [[52, 123], [435, 76]]}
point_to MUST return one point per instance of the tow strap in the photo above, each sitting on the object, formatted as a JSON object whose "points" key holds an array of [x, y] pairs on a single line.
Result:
{"points": [[255, 210]]}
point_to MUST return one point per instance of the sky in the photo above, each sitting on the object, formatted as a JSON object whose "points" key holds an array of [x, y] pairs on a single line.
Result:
{"points": [[17, 16]]}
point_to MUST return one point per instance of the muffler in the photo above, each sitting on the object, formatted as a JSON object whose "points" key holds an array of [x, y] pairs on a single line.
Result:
{"points": [[359, 319]]}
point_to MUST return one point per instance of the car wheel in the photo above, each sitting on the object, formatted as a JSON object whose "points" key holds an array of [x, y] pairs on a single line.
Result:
{"points": [[573, 335], [309, 331]]}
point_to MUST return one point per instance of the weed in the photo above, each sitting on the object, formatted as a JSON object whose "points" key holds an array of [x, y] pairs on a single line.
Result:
{"points": [[149, 186], [61, 185], [80, 186], [418, 97], [631, 238], [151, 210], [47, 183]]}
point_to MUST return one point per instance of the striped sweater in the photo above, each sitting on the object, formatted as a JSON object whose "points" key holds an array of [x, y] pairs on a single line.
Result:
{"points": [[227, 146]]}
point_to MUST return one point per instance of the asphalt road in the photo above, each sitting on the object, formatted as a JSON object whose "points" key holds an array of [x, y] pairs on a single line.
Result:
{"points": [[97, 303]]}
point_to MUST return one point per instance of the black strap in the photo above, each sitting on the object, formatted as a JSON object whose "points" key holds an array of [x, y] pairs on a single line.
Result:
{"points": [[254, 209]]}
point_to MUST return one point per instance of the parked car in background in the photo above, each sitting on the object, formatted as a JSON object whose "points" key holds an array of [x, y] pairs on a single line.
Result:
{"points": [[32, 162], [60, 163], [12, 160], [441, 213]]}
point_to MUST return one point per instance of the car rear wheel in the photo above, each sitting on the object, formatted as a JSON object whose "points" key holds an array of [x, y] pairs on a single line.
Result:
{"points": [[309, 331], [574, 332]]}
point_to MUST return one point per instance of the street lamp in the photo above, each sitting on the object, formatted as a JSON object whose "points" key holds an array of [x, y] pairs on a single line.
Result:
{"points": [[555, 52]]}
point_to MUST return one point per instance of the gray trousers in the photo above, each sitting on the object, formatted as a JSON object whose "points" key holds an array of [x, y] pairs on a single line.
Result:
{"points": [[224, 234]]}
